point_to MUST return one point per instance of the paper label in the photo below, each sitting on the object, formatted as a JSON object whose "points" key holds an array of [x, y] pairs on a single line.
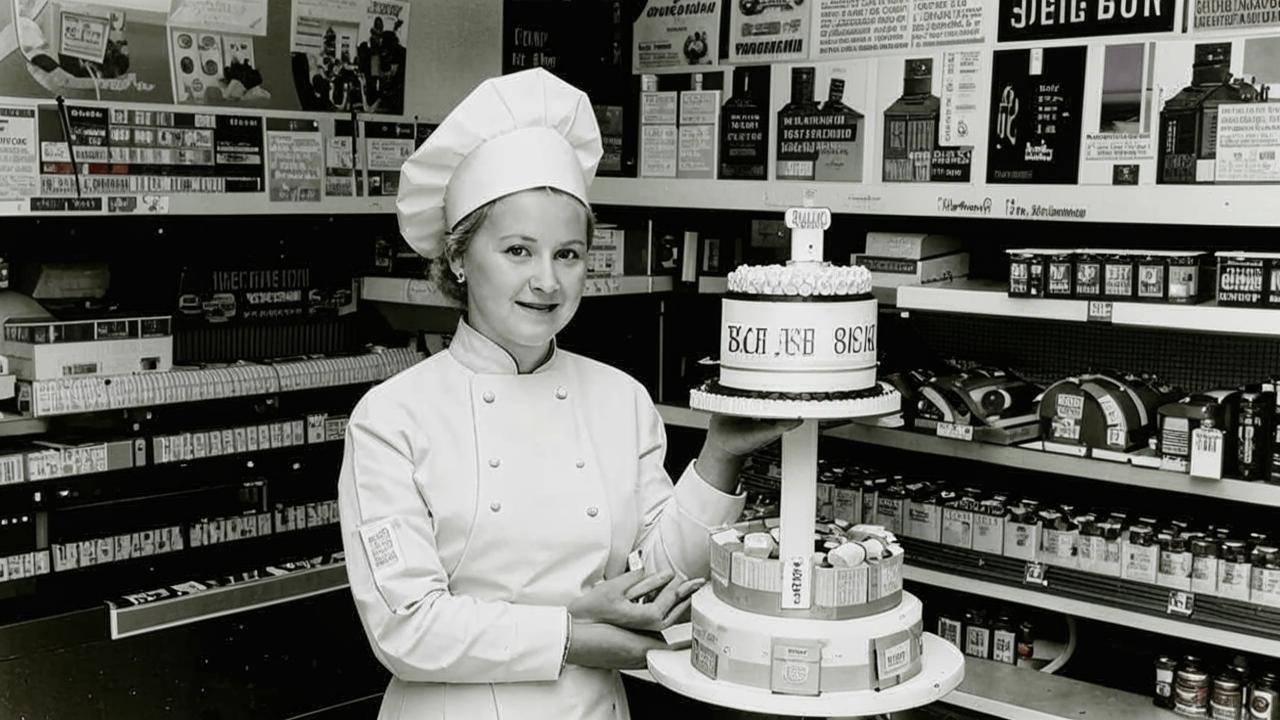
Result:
{"points": [[382, 546]]}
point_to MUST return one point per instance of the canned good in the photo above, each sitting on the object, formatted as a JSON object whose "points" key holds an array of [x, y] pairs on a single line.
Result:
{"points": [[1088, 274], [1166, 666], [1151, 270], [1191, 688], [1204, 564], [1184, 277], [1263, 697], [1060, 270], [1227, 700], [1255, 430], [1118, 275]]}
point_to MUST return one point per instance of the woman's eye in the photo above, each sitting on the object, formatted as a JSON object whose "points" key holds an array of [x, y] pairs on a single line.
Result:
{"points": [[518, 251], [568, 254]]}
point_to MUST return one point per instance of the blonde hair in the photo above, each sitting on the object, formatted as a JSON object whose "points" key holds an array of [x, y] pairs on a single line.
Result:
{"points": [[457, 240]]}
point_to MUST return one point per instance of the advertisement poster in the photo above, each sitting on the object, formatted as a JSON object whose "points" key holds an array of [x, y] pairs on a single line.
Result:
{"points": [[547, 34], [674, 35], [1119, 145], [823, 137], [1057, 19], [853, 27], [247, 17], [768, 30], [216, 68], [744, 125], [295, 158], [131, 152], [350, 54], [343, 162], [910, 94], [19, 173], [1201, 140], [1037, 97], [83, 52], [387, 145], [963, 96], [1234, 14]]}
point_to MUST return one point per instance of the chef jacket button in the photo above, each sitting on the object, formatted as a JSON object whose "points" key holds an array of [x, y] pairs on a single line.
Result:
{"points": [[488, 396], [593, 511], [495, 506], [580, 464], [561, 393], [494, 462]]}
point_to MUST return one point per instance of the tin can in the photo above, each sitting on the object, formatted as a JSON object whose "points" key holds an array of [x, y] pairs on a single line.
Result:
{"points": [[1060, 275], [1184, 277], [1227, 699], [1088, 264], [1118, 276], [1151, 270], [1263, 697], [1027, 272], [1191, 689], [1166, 666], [1255, 430]]}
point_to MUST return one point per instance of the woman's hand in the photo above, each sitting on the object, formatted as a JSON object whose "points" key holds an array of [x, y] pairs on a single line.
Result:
{"points": [[740, 436], [729, 439], [614, 601], [604, 646]]}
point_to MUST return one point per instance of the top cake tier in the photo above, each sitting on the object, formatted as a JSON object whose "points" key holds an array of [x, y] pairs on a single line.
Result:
{"points": [[800, 280]]}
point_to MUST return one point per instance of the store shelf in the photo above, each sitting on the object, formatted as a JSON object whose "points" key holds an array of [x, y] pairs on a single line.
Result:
{"points": [[416, 291], [984, 297], [1016, 693], [1218, 205], [219, 601], [684, 417], [1094, 611], [1256, 493], [67, 396]]}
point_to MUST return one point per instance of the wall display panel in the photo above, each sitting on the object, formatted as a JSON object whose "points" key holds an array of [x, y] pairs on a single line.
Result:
{"points": [[295, 160], [1119, 115], [851, 27], [1037, 95], [1218, 15], [769, 31], [931, 106], [825, 120], [19, 169], [1061, 19], [674, 36], [1219, 113]]}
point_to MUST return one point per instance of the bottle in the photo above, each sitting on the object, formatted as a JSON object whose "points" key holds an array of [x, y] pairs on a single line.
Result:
{"points": [[977, 642], [1166, 666], [1004, 640], [744, 131], [1026, 643], [797, 154]]}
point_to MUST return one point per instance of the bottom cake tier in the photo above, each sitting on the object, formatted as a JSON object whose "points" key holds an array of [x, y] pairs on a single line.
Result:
{"points": [[801, 656], [881, 399]]}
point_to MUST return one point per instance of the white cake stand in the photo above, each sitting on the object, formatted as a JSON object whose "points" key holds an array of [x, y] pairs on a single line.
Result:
{"points": [[943, 664], [943, 671]]}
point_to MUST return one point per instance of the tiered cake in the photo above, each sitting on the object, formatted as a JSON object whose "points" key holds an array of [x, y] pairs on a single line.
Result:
{"points": [[798, 340], [796, 621]]}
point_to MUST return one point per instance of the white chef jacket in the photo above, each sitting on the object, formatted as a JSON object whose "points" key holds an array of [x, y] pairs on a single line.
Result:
{"points": [[477, 502]]}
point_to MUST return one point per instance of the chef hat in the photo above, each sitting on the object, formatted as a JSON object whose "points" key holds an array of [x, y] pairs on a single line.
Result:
{"points": [[515, 132]]}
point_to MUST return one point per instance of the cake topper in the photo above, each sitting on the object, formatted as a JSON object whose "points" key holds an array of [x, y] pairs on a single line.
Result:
{"points": [[807, 225]]}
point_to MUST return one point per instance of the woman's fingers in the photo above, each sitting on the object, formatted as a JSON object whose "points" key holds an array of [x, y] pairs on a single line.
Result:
{"points": [[647, 585]]}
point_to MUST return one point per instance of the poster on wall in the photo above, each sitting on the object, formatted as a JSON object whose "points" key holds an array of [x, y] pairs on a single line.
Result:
{"points": [[295, 158], [216, 68], [911, 93], [350, 54], [854, 27], [19, 172], [130, 152], [675, 35], [1219, 111], [1119, 144], [387, 145], [548, 34], [246, 17], [1210, 15], [744, 125], [343, 161], [83, 52], [825, 137], [1059, 19], [768, 30], [1037, 96]]}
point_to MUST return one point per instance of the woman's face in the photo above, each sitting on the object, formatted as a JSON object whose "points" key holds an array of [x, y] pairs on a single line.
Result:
{"points": [[525, 269]]}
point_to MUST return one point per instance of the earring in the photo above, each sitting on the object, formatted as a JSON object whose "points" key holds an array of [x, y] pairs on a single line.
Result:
{"points": [[462, 276]]}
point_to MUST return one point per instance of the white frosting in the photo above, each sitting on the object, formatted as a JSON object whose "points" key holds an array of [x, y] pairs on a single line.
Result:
{"points": [[883, 404], [801, 279]]}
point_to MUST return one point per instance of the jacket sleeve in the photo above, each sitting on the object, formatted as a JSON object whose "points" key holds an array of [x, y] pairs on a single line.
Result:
{"points": [[674, 532], [417, 628]]}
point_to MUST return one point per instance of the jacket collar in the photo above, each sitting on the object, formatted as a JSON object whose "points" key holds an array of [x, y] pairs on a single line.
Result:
{"points": [[483, 356]]}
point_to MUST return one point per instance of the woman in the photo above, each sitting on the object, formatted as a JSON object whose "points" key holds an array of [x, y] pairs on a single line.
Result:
{"points": [[491, 495]]}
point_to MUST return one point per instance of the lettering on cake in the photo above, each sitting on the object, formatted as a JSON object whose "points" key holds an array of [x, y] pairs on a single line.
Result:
{"points": [[795, 341], [854, 340], [746, 339]]}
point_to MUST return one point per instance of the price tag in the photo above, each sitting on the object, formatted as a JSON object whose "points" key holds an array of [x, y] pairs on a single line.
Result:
{"points": [[1035, 574], [1099, 311], [1181, 603], [954, 431], [1206, 452]]}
